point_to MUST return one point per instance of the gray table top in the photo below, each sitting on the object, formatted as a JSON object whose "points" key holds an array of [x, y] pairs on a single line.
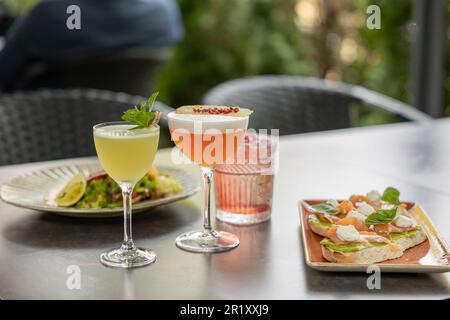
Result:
{"points": [[37, 248]]}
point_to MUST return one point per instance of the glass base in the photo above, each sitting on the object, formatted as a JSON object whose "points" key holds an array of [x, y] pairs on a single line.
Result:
{"points": [[207, 242], [120, 258], [243, 218]]}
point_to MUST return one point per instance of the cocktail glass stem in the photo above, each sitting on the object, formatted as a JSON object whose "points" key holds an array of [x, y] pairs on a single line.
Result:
{"points": [[207, 240], [128, 255], [207, 180], [127, 190]]}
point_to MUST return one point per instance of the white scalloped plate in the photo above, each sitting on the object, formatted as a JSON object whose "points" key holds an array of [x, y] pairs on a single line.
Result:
{"points": [[36, 190]]}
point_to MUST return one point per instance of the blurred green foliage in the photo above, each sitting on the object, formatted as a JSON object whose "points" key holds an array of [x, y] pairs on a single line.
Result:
{"points": [[227, 39], [18, 7]]}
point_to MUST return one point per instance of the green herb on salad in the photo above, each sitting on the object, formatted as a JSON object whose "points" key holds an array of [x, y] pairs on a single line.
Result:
{"points": [[103, 192]]}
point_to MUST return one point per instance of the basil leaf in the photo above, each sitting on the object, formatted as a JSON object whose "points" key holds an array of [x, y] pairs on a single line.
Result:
{"points": [[381, 216], [324, 208], [391, 195]]}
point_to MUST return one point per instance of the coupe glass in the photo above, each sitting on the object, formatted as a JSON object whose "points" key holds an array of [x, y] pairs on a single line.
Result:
{"points": [[126, 155], [193, 135]]}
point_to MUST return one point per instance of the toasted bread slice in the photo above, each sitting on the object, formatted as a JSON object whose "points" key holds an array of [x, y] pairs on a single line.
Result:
{"points": [[318, 229], [318, 226], [367, 255]]}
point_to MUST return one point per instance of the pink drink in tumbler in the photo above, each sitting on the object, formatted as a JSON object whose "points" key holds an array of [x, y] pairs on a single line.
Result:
{"points": [[244, 189]]}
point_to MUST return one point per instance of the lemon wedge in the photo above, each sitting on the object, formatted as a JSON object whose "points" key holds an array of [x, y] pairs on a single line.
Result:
{"points": [[72, 192]]}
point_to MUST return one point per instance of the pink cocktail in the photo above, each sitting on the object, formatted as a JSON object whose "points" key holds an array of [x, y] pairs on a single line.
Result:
{"points": [[209, 136]]}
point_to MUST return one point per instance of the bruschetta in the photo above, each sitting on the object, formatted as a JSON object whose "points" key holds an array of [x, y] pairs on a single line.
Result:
{"points": [[365, 228], [345, 244]]}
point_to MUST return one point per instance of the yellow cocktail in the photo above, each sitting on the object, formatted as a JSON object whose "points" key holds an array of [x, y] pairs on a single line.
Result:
{"points": [[127, 155]]}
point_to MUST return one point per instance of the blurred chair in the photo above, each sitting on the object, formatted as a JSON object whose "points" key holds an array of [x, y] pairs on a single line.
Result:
{"points": [[132, 71], [297, 104], [56, 124]]}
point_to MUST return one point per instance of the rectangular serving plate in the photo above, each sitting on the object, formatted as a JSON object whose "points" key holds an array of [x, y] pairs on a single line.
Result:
{"points": [[431, 256]]}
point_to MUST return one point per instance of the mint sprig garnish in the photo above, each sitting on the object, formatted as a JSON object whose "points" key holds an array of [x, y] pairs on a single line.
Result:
{"points": [[143, 117]]}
